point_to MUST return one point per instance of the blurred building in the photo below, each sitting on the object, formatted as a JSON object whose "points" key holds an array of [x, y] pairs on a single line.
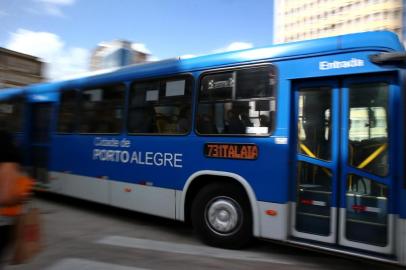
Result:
{"points": [[116, 53], [18, 69], [308, 19]]}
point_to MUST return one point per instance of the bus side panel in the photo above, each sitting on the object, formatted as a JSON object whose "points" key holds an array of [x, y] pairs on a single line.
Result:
{"points": [[83, 187], [65, 177], [167, 162], [145, 199]]}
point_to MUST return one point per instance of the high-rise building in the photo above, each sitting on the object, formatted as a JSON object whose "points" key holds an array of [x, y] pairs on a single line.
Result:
{"points": [[307, 19], [18, 69], [117, 53]]}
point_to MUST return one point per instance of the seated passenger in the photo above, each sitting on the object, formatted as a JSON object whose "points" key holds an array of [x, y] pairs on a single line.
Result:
{"points": [[234, 124], [264, 120], [205, 125], [142, 120], [184, 120], [245, 119]]}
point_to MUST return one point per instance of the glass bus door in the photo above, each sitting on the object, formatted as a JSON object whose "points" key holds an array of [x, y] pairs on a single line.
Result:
{"points": [[343, 184], [315, 211], [40, 140]]}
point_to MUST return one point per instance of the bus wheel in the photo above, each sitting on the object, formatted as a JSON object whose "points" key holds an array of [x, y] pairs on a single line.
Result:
{"points": [[221, 216]]}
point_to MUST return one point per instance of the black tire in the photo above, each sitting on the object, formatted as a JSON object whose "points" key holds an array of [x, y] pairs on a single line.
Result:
{"points": [[224, 201]]}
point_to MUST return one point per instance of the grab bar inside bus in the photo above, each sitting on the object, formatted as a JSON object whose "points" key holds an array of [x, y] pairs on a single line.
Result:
{"points": [[311, 154], [373, 156], [362, 165]]}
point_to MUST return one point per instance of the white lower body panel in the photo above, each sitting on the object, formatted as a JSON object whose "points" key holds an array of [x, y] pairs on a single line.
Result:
{"points": [[273, 226], [146, 199], [83, 187]]}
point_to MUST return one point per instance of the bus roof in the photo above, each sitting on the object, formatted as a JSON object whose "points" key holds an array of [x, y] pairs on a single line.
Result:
{"points": [[10, 93], [377, 41]]}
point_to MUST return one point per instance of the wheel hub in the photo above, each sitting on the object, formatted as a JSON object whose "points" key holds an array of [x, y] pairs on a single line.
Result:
{"points": [[223, 215]]}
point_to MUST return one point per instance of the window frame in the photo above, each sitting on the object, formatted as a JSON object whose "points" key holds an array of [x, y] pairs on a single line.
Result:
{"points": [[188, 78], [233, 99]]}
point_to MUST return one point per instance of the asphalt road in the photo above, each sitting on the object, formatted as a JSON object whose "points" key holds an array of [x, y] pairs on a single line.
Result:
{"points": [[80, 235]]}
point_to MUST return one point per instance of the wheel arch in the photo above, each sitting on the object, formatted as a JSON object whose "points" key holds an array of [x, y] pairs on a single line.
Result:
{"points": [[196, 181]]}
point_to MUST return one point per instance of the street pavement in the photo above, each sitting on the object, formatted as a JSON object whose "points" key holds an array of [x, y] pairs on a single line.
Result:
{"points": [[81, 235]]}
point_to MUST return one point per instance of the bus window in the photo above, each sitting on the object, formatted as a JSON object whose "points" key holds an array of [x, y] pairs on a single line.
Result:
{"points": [[314, 122], [160, 107], [237, 102], [67, 111], [102, 109], [11, 114], [368, 132]]}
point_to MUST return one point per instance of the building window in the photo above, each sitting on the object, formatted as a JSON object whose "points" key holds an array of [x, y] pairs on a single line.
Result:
{"points": [[160, 106], [237, 102], [102, 109]]}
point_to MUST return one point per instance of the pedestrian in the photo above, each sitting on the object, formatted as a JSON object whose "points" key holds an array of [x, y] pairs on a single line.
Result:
{"points": [[12, 195]]}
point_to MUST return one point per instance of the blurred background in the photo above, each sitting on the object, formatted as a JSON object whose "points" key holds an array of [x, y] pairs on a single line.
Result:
{"points": [[44, 40]]}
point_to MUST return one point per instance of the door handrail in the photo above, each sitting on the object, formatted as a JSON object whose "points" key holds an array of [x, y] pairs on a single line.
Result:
{"points": [[310, 154], [373, 156]]}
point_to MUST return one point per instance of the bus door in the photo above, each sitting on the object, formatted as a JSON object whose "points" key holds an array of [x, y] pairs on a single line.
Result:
{"points": [[343, 186], [39, 134]]}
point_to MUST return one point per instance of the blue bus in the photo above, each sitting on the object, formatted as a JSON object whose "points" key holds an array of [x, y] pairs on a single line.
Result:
{"points": [[301, 142]]}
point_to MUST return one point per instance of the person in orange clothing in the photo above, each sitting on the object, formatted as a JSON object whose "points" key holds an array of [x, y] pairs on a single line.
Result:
{"points": [[14, 188]]}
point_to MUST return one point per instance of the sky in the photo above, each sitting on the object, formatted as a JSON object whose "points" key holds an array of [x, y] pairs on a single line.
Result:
{"points": [[64, 32]]}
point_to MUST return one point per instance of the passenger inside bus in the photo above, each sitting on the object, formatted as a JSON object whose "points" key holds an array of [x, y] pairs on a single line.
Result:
{"points": [[264, 121], [205, 124], [184, 120], [142, 120], [233, 124]]}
